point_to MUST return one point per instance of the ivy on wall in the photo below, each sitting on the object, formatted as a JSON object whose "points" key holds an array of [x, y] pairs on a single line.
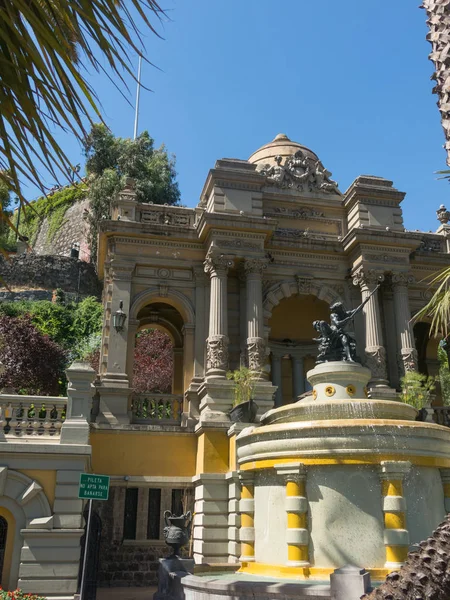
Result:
{"points": [[53, 208]]}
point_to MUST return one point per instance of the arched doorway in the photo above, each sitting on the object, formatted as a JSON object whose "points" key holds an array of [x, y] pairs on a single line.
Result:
{"points": [[291, 343], [428, 357], [3, 538]]}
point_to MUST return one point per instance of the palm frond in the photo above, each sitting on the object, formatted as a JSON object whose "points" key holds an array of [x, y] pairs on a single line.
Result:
{"points": [[438, 307], [46, 48]]}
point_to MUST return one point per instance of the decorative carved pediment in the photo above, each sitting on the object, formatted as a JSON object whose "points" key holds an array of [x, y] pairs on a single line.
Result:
{"points": [[300, 172]]}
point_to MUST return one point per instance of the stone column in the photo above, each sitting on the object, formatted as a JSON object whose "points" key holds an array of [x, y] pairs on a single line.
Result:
{"points": [[210, 518], [391, 339], [298, 375], [133, 325], [116, 371], [217, 342], [396, 536], [277, 378], [375, 350], [256, 348], [247, 510], [188, 354], [200, 306], [445, 476], [297, 534], [407, 353], [115, 388]]}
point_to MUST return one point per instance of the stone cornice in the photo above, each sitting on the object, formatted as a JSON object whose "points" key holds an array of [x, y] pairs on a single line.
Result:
{"points": [[374, 236], [234, 222]]}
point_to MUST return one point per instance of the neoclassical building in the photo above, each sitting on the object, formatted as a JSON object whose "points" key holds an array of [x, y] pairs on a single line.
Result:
{"points": [[240, 278], [237, 280]]}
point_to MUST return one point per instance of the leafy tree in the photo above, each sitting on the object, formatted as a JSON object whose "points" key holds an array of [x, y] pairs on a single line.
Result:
{"points": [[34, 364], [66, 324], [47, 47], [111, 160], [153, 362]]}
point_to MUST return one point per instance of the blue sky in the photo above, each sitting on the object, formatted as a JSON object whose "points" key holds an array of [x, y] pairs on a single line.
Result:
{"points": [[349, 79]]}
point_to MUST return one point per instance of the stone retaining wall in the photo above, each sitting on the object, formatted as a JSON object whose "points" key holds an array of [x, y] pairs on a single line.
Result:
{"points": [[31, 271]]}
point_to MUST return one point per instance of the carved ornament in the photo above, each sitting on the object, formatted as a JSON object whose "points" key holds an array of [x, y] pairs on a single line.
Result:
{"points": [[302, 212], [376, 362], [443, 215], [217, 264], [300, 172], [255, 265], [402, 279], [256, 352], [217, 352], [365, 277], [407, 360]]}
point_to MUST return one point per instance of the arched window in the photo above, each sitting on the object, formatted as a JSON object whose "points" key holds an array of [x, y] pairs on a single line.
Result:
{"points": [[153, 362], [3, 535]]}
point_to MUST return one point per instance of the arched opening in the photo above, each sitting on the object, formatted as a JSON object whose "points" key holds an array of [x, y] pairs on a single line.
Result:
{"points": [[429, 358], [7, 535], [291, 343], [3, 538], [153, 369], [157, 364]]}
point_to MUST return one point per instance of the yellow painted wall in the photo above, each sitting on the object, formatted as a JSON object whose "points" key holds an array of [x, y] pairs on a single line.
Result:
{"points": [[213, 452], [292, 318], [122, 453], [46, 479], [10, 534]]}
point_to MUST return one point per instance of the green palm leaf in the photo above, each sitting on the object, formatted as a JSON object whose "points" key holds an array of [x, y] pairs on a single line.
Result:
{"points": [[46, 47], [438, 307]]}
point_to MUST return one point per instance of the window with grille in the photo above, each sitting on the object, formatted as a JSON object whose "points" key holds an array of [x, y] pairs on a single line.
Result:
{"points": [[142, 520]]}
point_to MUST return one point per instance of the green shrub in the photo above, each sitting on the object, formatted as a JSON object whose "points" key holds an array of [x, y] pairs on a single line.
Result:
{"points": [[244, 381], [417, 389], [18, 595]]}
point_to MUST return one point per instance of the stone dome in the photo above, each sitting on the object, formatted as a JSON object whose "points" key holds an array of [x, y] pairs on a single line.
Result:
{"points": [[280, 146]]}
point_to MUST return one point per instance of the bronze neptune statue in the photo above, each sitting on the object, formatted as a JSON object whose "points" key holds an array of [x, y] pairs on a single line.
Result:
{"points": [[334, 342]]}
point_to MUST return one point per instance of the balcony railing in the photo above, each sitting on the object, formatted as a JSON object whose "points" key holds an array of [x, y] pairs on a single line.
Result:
{"points": [[157, 409], [32, 415]]}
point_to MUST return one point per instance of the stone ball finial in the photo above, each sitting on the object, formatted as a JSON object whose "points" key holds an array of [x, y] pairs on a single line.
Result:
{"points": [[281, 136]]}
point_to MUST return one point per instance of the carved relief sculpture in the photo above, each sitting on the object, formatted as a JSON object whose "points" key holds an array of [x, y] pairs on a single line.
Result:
{"points": [[300, 172], [217, 352], [256, 351]]}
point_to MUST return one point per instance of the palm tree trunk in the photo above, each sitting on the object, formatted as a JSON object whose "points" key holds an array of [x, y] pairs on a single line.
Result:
{"points": [[438, 21]]}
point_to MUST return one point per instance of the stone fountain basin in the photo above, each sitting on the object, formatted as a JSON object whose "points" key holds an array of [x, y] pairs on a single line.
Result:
{"points": [[309, 410], [364, 440]]}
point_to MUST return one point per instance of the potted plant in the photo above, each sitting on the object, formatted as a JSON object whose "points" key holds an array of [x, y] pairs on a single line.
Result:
{"points": [[417, 389], [244, 407]]}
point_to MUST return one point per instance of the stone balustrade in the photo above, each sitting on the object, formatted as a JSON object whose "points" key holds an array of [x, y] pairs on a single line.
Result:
{"points": [[32, 415], [157, 409], [157, 214]]}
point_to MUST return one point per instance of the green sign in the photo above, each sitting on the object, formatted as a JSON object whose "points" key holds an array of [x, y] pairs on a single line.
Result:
{"points": [[93, 487]]}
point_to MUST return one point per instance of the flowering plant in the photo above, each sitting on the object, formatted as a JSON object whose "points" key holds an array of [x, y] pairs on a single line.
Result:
{"points": [[18, 595]]}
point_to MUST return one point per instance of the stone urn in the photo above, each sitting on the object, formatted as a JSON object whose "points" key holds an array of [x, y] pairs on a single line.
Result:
{"points": [[178, 530], [245, 412]]}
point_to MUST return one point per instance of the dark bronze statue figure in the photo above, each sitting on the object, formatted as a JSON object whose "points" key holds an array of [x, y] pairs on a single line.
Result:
{"points": [[334, 342]]}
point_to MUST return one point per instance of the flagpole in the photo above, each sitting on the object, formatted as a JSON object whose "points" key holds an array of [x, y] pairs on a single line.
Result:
{"points": [[138, 92]]}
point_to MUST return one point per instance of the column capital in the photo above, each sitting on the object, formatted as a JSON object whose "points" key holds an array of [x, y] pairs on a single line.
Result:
{"points": [[255, 266], [217, 265], [364, 277], [402, 279], [121, 271], [394, 469], [292, 471]]}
